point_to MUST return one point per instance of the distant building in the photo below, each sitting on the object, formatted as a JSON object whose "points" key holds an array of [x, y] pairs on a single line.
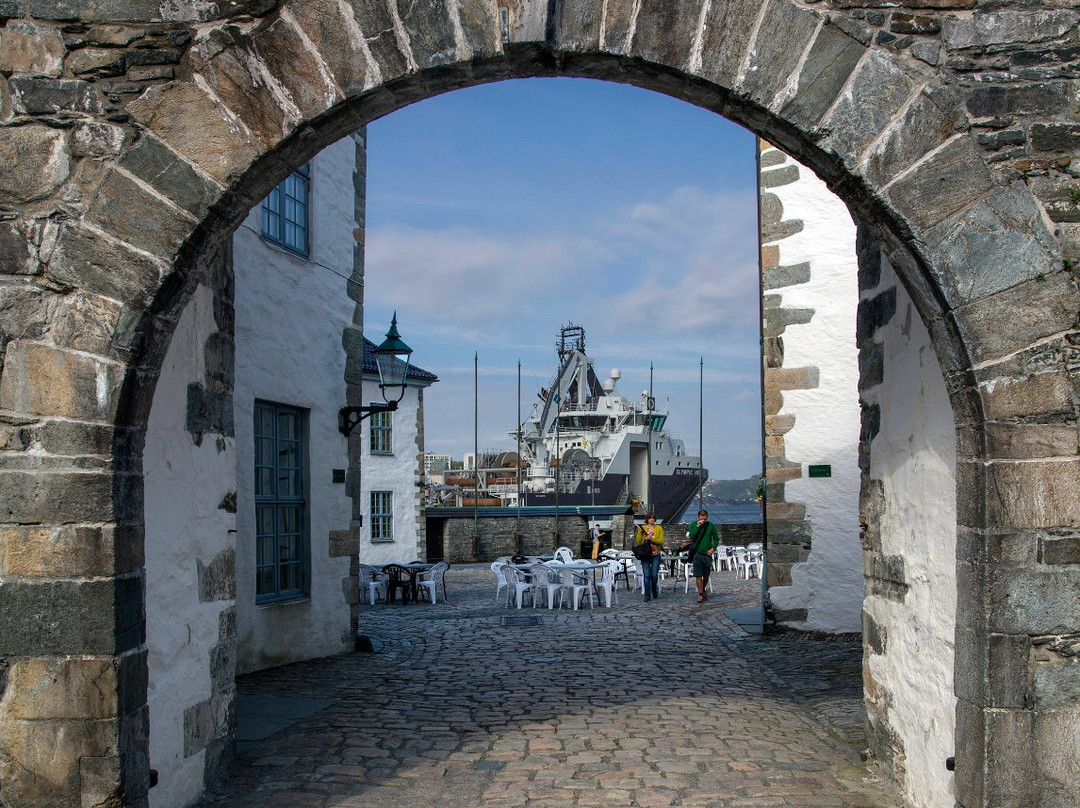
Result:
{"points": [[435, 463]]}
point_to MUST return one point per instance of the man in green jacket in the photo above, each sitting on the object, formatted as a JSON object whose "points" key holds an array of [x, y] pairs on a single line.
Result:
{"points": [[704, 539]]}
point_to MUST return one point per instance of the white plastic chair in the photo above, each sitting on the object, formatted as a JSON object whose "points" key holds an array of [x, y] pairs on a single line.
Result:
{"points": [[751, 565], [579, 584], [564, 555], [433, 579], [607, 583], [374, 581], [518, 585], [690, 574], [724, 558], [497, 568], [547, 583]]}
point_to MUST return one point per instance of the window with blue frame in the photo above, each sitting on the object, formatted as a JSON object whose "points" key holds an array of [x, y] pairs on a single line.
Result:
{"points": [[382, 433], [285, 213], [382, 515], [280, 505]]}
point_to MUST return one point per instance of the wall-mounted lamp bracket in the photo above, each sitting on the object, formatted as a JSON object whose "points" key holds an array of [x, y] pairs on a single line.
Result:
{"points": [[350, 417]]}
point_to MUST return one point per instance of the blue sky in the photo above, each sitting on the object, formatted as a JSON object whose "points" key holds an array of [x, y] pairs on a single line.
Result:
{"points": [[498, 213]]}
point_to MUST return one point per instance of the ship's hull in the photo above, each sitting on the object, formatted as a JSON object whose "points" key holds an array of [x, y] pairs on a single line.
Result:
{"points": [[670, 494]]}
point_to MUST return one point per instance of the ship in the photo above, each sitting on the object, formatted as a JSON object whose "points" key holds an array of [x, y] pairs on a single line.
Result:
{"points": [[584, 443]]}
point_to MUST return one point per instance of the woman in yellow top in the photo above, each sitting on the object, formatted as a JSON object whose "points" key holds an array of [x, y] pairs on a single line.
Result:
{"points": [[653, 533]]}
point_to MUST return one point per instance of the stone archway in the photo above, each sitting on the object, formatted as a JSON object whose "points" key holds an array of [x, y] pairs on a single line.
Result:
{"points": [[134, 139]]}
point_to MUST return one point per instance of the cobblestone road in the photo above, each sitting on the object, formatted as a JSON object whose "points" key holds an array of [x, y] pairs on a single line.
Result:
{"points": [[661, 704]]}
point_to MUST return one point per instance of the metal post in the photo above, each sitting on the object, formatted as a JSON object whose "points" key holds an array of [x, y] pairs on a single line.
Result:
{"points": [[476, 453], [558, 468], [701, 432], [517, 526], [648, 451]]}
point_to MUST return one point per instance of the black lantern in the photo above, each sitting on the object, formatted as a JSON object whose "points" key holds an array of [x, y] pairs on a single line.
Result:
{"points": [[392, 359]]}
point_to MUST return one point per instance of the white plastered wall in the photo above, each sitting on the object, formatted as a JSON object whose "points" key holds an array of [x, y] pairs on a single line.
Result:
{"points": [[184, 487], [829, 585], [914, 458], [290, 314], [398, 472]]}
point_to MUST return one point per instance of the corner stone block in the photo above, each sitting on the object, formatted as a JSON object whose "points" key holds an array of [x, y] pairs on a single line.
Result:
{"points": [[42, 380], [68, 551], [30, 49], [220, 147], [1057, 741], [36, 162], [791, 378], [998, 242], [42, 688]]}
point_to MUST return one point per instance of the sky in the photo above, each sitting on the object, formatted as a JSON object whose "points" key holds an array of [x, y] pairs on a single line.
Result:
{"points": [[497, 214]]}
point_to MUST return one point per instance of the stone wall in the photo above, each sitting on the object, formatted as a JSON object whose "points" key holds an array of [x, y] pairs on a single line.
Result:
{"points": [[498, 536]]}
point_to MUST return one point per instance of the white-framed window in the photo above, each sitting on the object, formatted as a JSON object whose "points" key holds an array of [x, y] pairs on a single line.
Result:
{"points": [[382, 433], [280, 503], [285, 213], [382, 515]]}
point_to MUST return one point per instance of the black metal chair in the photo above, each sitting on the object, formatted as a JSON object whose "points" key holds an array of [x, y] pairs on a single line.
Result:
{"points": [[399, 577]]}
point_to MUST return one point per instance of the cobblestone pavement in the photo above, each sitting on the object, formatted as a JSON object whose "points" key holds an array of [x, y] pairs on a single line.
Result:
{"points": [[645, 704]]}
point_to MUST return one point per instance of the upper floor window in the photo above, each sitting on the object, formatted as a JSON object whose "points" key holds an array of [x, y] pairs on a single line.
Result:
{"points": [[285, 213], [280, 520], [382, 433]]}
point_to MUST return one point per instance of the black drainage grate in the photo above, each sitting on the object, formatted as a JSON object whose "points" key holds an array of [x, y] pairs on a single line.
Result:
{"points": [[523, 620]]}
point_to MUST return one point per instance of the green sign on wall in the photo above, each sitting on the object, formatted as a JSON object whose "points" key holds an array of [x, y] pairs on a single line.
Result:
{"points": [[820, 471]]}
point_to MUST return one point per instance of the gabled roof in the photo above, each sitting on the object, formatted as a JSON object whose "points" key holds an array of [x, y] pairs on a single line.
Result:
{"points": [[415, 374]]}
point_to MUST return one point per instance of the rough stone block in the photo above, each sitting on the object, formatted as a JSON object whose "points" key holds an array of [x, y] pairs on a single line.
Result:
{"points": [[1056, 137], [933, 116], [998, 242], [86, 322], [217, 580], [36, 551], [50, 96], [218, 146], [1046, 395], [1059, 548], [791, 378], [133, 216], [1035, 494], [791, 511], [878, 90], [725, 39], [334, 31], [1049, 98], [873, 313], [27, 48], [300, 74], [43, 380], [772, 59], [1057, 743], [946, 183], [97, 62], [1009, 732], [1004, 27], [1009, 677], [15, 259], [43, 688], [154, 163], [664, 28], [36, 161], [71, 617], [96, 139], [830, 62], [1030, 441], [777, 177], [1007, 322], [1034, 601], [875, 635]]}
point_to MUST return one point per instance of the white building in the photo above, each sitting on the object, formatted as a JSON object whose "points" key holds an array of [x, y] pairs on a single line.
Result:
{"points": [[252, 537], [391, 464]]}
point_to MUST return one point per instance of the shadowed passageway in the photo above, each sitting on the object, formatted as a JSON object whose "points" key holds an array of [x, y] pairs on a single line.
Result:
{"points": [[593, 708]]}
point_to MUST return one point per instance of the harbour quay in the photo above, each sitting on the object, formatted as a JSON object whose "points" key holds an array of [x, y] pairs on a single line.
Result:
{"points": [[464, 535]]}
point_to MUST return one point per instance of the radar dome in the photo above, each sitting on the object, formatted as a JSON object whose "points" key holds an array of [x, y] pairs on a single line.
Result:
{"points": [[615, 374]]}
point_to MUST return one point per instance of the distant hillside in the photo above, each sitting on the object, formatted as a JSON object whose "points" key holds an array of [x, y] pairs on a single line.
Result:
{"points": [[731, 491]]}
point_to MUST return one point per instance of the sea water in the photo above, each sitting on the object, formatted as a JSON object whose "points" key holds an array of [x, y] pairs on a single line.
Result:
{"points": [[724, 513]]}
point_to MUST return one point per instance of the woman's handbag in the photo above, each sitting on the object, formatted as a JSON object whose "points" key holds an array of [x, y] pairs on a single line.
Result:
{"points": [[643, 551]]}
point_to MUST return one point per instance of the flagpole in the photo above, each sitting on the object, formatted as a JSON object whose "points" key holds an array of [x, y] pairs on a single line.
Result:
{"points": [[701, 432], [517, 527], [476, 453]]}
